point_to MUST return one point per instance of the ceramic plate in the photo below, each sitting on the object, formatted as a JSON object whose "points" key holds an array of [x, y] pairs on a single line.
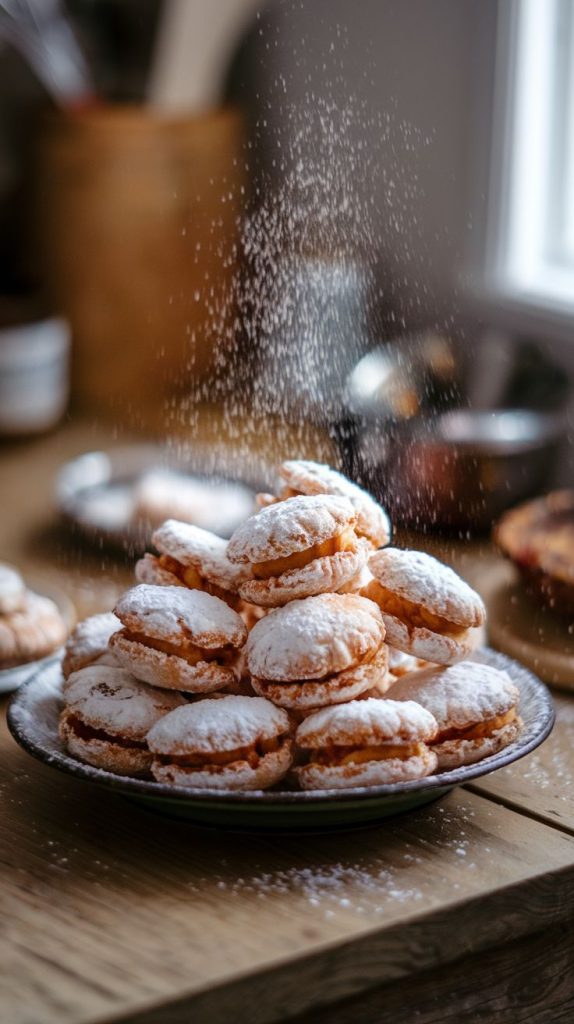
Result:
{"points": [[33, 721], [96, 492]]}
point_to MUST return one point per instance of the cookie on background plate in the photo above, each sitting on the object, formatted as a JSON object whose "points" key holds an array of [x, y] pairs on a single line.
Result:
{"points": [[32, 632], [366, 743], [476, 708], [322, 650], [107, 715], [177, 638], [298, 548], [428, 610], [232, 742]]}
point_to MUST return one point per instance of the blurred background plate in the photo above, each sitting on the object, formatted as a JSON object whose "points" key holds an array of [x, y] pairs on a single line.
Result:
{"points": [[117, 498], [33, 721]]}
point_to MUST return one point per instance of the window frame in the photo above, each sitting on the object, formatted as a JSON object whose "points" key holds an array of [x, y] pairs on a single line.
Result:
{"points": [[521, 276]]}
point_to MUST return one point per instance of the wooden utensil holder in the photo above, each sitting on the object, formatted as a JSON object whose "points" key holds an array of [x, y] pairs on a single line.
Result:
{"points": [[137, 228]]}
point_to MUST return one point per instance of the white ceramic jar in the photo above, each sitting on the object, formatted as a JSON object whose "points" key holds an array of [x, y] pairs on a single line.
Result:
{"points": [[34, 375]]}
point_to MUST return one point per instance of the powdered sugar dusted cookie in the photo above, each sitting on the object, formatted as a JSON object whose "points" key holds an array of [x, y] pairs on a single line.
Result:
{"points": [[178, 638], [366, 743], [236, 743], [12, 589], [297, 548], [428, 610], [303, 477], [107, 716], [198, 559], [89, 641], [32, 632], [314, 638], [322, 650], [475, 706]]}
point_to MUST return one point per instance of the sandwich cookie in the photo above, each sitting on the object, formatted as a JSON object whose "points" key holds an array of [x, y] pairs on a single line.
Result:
{"points": [[12, 589], [88, 643], [107, 716], [303, 477], [178, 638], [428, 610], [194, 557], [297, 548], [32, 632], [475, 707], [236, 743], [366, 743], [323, 650]]}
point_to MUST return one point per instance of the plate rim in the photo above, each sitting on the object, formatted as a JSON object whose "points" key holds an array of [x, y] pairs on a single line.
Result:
{"points": [[281, 798]]}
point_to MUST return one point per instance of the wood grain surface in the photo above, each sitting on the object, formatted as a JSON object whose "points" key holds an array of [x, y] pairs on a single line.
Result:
{"points": [[522, 982]]}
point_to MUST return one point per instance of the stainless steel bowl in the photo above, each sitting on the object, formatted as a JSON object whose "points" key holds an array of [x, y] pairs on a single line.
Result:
{"points": [[410, 436]]}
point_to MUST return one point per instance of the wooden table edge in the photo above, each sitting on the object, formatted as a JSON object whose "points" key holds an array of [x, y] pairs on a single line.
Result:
{"points": [[342, 969]]}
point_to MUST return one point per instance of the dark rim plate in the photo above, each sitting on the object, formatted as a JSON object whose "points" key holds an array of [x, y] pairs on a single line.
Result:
{"points": [[33, 722]]}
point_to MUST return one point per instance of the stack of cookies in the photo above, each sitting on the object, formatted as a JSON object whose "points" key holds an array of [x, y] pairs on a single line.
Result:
{"points": [[305, 649]]}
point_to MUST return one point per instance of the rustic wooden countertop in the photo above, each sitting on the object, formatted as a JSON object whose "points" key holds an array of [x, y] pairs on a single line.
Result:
{"points": [[458, 912]]}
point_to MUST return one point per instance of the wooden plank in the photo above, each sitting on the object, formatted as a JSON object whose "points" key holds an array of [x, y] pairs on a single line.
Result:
{"points": [[110, 912], [541, 784], [530, 981]]}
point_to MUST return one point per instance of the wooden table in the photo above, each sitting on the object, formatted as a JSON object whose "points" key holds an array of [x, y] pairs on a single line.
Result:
{"points": [[461, 911]]}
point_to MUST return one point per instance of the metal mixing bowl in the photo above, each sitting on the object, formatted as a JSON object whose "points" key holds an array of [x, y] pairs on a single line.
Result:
{"points": [[410, 437]]}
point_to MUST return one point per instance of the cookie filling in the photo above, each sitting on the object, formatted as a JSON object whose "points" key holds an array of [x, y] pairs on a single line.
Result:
{"points": [[338, 756], [376, 658], [218, 760], [344, 541], [192, 578], [86, 732], [479, 730], [414, 616], [185, 650]]}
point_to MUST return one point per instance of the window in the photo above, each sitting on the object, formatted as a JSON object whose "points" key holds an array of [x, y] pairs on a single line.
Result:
{"points": [[530, 249]]}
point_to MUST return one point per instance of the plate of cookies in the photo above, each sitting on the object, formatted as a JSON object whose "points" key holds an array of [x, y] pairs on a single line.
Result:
{"points": [[302, 674]]}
